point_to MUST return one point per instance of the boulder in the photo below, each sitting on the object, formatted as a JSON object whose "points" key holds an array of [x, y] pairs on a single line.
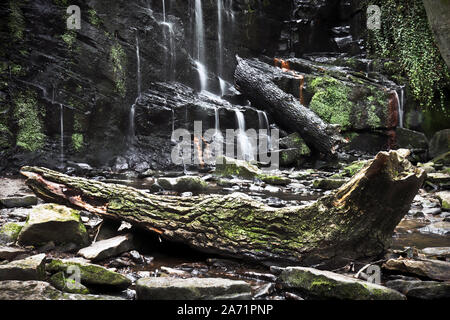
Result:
{"points": [[9, 232], [424, 290], [66, 284], [9, 253], [19, 201], [108, 248], [444, 198], [39, 290], [439, 178], [183, 184], [437, 252], [410, 139], [31, 268], [166, 288], [274, 179], [91, 274], [328, 184], [294, 150], [440, 143], [325, 284], [52, 222], [425, 268], [443, 159], [228, 167], [441, 228]]}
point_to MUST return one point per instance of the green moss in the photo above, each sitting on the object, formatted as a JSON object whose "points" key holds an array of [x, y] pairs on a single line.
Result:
{"points": [[10, 230], [94, 19], [331, 101], [77, 142], [118, 62], [16, 22], [275, 180], [61, 282], [27, 114], [69, 38], [5, 137]]}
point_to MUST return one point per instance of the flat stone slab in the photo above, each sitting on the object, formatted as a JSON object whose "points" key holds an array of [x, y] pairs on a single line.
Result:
{"points": [[425, 268], [442, 252], [441, 228], [53, 222], [425, 290], [444, 198], [39, 290], [325, 284], [9, 253], [91, 274], [108, 248], [166, 288], [31, 268], [26, 200]]}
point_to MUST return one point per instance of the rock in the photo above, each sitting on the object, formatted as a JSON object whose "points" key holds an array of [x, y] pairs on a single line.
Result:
{"points": [[438, 177], [425, 290], [437, 252], [191, 289], [350, 170], [444, 198], [425, 268], [183, 184], [326, 284], [52, 222], [9, 253], [441, 228], [440, 143], [19, 201], [228, 167], [120, 164], [63, 283], [31, 268], [275, 180], [410, 139], [9, 232], [295, 150], [91, 274], [108, 248], [175, 272], [432, 211], [427, 167], [442, 160], [39, 290], [328, 184]]}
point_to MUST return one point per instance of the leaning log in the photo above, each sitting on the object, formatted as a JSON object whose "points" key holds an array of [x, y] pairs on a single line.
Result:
{"points": [[287, 111], [354, 222]]}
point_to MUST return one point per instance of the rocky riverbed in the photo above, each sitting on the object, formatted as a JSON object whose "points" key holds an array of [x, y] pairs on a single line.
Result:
{"points": [[50, 251]]}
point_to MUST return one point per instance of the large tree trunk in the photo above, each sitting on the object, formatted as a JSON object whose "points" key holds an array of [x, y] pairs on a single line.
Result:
{"points": [[354, 222], [252, 80]]}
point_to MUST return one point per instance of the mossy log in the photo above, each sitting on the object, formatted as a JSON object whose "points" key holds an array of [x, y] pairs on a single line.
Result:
{"points": [[354, 222], [252, 80]]}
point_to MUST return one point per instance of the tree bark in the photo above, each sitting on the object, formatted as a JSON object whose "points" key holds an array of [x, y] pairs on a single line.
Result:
{"points": [[354, 222], [252, 80]]}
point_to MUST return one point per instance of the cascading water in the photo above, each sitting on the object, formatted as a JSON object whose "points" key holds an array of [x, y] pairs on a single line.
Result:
{"points": [[169, 41], [264, 124], [200, 46], [243, 141], [220, 38], [62, 133], [138, 59], [401, 107]]}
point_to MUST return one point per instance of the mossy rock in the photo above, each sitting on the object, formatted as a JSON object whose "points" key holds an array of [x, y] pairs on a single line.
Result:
{"points": [[444, 197], [443, 159], [275, 180], [296, 150], [9, 232], [328, 184], [328, 285], [31, 268], [228, 167], [53, 222], [351, 170], [183, 184], [64, 283], [91, 274]]}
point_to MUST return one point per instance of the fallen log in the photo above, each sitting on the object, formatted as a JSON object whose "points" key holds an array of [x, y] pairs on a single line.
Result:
{"points": [[354, 222], [251, 80]]}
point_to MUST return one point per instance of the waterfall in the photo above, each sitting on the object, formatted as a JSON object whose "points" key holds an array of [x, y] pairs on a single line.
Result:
{"points": [[138, 58], [164, 10], [399, 106], [264, 124], [169, 43], [243, 141], [220, 39], [200, 45]]}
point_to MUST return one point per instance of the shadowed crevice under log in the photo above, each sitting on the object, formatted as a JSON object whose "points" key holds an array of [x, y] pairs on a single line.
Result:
{"points": [[354, 222]]}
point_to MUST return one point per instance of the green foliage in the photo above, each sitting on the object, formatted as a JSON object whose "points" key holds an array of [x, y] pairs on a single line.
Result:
{"points": [[27, 114], [5, 136], [77, 141], [69, 38], [118, 61], [331, 101], [16, 22], [94, 19], [61, 3], [405, 37]]}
